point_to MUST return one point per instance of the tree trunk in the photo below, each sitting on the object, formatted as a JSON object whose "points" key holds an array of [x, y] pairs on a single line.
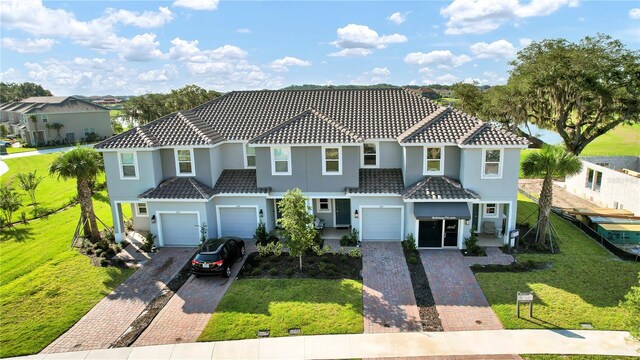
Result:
{"points": [[84, 188], [544, 208], [83, 211], [300, 261]]}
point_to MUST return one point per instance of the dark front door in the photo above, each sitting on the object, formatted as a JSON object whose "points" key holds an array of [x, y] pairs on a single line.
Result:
{"points": [[343, 212], [430, 234], [451, 233]]}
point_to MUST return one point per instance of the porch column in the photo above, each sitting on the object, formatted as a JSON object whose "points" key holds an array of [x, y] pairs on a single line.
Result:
{"points": [[118, 224], [511, 222]]}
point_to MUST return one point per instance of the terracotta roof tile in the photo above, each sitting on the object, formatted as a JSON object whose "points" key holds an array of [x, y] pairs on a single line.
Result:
{"points": [[438, 188], [378, 181], [185, 188], [241, 181]]}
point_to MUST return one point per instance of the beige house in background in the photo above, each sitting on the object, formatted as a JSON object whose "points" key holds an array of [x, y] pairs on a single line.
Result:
{"points": [[36, 120]]}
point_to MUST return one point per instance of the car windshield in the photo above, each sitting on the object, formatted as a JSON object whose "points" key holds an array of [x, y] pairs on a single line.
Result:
{"points": [[212, 246], [207, 257]]}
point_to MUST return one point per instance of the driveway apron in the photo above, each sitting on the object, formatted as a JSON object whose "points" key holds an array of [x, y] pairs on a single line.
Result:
{"points": [[111, 317], [459, 299], [187, 313], [388, 302]]}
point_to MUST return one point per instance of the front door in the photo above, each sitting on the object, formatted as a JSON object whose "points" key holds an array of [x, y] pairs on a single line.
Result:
{"points": [[430, 234], [343, 212], [450, 233]]}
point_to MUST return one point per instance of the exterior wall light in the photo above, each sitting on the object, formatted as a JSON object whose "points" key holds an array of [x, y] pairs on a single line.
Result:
{"points": [[261, 213], [355, 214], [153, 219]]}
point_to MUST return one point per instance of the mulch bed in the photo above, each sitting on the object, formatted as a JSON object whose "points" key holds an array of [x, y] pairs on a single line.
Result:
{"points": [[327, 266], [424, 298]]}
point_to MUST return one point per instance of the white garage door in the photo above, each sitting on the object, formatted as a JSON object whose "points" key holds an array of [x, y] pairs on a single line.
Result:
{"points": [[381, 224], [180, 229], [238, 221]]}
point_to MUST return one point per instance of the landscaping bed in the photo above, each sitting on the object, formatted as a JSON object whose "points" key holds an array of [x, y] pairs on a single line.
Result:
{"points": [[326, 266], [422, 291]]}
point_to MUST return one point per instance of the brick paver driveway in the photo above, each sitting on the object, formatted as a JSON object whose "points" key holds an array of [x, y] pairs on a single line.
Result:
{"points": [[111, 317], [459, 299], [388, 303], [186, 314]]}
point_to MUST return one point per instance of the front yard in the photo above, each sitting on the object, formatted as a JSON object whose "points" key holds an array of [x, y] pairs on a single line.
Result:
{"points": [[317, 306], [584, 283]]}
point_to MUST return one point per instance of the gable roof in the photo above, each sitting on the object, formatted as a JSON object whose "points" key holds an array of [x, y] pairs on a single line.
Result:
{"points": [[304, 117], [50, 104], [184, 188], [438, 188]]}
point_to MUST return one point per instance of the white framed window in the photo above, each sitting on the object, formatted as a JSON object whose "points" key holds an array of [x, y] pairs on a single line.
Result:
{"points": [[490, 211], [249, 157], [88, 131], [281, 160], [433, 160], [323, 205], [370, 155], [128, 163], [141, 210], [44, 118], [331, 160], [492, 163], [184, 162]]}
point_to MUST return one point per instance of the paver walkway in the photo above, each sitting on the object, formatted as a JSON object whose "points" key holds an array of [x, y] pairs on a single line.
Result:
{"points": [[388, 303], [106, 321], [186, 314], [494, 257], [459, 299]]}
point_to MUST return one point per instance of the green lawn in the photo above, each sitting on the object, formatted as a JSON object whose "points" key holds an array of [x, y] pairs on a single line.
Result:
{"points": [[51, 193], [316, 306], [14, 150], [45, 286], [584, 284]]}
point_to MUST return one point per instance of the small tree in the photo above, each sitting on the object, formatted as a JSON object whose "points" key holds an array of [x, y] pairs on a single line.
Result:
{"points": [[631, 303], [10, 202], [297, 222], [29, 182], [3, 131]]}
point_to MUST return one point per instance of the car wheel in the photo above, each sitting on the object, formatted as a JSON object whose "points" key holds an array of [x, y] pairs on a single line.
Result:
{"points": [[227, 271], [242, 251]]}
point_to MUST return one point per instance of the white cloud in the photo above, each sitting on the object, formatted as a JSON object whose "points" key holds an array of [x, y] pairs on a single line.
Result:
{"points": [[446, 79], [283, 65], [442, 58], [140, 48], [364, 39], [28, 46], [398, 17], [497, 50], [197, 4], [166, 73], [634, 13], [381, 71], [10, 75], [244, 30], [481, 16], [146, 19], [524, 42]]}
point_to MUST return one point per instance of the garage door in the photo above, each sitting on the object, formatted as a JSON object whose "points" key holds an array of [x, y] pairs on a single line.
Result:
{"points": [[381, 224], [238, 221], [180, 229]]}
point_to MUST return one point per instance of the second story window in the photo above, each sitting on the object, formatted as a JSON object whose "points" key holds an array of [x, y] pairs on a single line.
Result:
{"points": [[370, 155], [491, 163], [281, 161], [250, 157], [331, 161], [128, 166], [44, 118], [433, 161], [184, 162]]}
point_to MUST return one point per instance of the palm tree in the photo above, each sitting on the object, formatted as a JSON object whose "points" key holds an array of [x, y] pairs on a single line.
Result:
{"points": [[549, 162], [84, 165]]}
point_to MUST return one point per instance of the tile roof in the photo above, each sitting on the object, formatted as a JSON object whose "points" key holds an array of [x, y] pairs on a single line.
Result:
{"points": [[307, 116], [489, 134], [438, 188], [185, 188], [378, 181], [309, 127], [44, 104], [238, 182]]}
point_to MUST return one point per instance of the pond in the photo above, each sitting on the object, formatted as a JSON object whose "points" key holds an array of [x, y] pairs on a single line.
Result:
{"points": [[548, 136]]}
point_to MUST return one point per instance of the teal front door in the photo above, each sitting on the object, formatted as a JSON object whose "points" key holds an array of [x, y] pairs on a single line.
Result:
{"points": [[343, 212]]}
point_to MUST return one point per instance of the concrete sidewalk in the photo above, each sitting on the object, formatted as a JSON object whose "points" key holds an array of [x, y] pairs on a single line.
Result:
{"points": [[488, 342], [41, 152]]}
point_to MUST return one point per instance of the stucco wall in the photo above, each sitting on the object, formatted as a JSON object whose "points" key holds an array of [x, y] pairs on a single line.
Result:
{"points": [[414, 170], [74, 123]]}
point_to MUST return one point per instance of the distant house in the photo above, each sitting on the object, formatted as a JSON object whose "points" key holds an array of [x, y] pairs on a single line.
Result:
{"points": [[609, 181], [426, 92], [107, 101], [33, 120]]}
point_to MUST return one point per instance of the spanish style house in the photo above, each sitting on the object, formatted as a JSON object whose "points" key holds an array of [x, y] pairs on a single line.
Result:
{"points": [[385, 162], [33, 120]]}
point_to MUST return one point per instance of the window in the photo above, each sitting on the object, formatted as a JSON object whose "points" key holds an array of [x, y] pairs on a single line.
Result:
{"points": [[589, 181], [598, 180], [250, 157], [281, 161], [44, 118], [141, 209], [128, 165], [490, 210], [370, 155], [492, 163], [594, 180], [323, 205], [184, 162], [433, 163], [88, 131], [331, 161]]}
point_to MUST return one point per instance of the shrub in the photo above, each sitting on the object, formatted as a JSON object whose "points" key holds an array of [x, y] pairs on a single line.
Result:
{"points": [[128, 224], [330, 273], [256, 271], [276, 248], [110, 237], [23, 217], [318, 240], [98, 252], [355, 253], [290, 271], [273, 271], [263, 250], [350, 239], [261, 235], [409, 242], [327, 249], [472, 248], [271, 248], [104, 262], [317, 250], [149, 242], [412, 260], [631, 304]]}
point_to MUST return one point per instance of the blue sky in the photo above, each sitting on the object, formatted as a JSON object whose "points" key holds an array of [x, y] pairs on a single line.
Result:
{"points": [[134, 47]]}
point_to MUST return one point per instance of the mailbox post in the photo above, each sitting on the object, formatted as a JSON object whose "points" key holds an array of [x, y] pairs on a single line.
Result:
{"points": [[524, 298], [514, 235]]}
